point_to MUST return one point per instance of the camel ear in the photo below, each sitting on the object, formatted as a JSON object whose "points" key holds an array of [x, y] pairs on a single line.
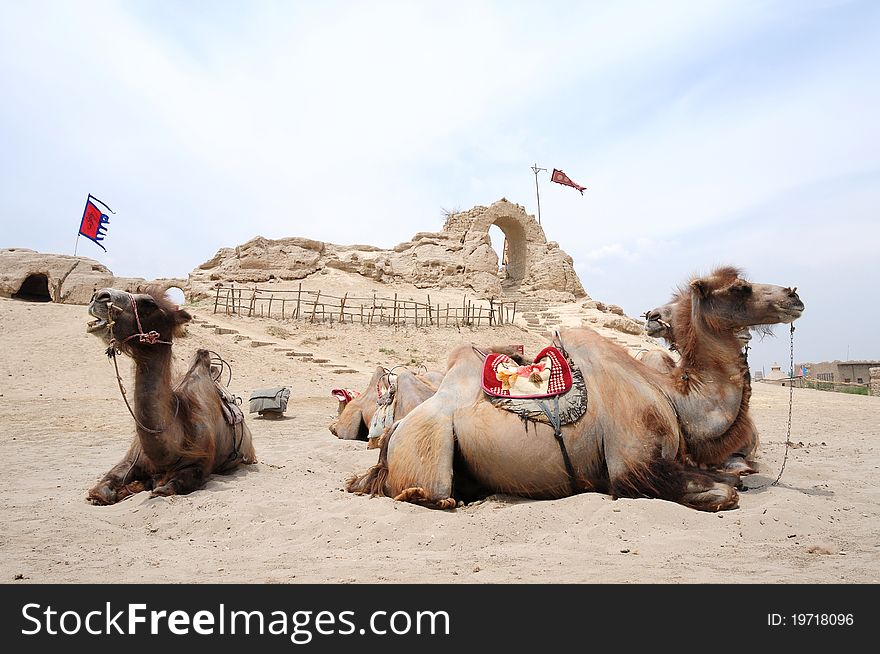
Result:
{"points": [[701, 287], [182, 316]]}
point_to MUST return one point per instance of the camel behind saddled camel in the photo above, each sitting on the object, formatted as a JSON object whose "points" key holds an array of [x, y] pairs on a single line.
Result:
{"points": [[659, 324], [183, 433], [356, 414], [643, 433]]}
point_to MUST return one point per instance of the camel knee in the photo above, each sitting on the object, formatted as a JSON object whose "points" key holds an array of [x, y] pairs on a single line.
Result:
{"points": [[180, 483], [102, 495], [737, 464], [716, 496]]}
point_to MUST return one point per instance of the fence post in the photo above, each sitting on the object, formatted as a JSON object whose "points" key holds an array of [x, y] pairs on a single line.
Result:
{"points": [[282, 308], [298, 293], [217, 299], [269, 312], [315, 306], [342, 308]]}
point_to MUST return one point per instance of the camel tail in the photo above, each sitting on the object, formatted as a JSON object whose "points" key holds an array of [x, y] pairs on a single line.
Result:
{"points": [[372, 482]]}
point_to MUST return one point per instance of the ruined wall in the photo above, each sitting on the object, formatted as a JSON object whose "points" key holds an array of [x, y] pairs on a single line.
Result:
{"points": [[875, 382], [460, 256], [70, 280]]}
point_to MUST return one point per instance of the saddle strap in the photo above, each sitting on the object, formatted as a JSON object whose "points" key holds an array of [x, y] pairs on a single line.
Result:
{"points": [[556, 422]]}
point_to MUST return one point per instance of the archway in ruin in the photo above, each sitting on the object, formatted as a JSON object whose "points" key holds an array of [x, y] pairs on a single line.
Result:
{"points": [[35, 288], [515, 235]]}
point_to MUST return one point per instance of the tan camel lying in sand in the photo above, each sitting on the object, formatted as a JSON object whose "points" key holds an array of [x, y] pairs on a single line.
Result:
{"points": [[402, 390], [643, 434]]}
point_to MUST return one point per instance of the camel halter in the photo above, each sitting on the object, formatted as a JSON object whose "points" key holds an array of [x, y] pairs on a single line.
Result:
{"points": [[151, 337]]}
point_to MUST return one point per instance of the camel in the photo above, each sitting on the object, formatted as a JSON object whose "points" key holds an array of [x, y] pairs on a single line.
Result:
{"points": [[181, 433], [659, 325], [356, 413], [643, 433]]}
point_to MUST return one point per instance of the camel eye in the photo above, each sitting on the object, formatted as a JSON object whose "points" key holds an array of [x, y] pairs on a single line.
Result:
{"points": [[742, 288]]}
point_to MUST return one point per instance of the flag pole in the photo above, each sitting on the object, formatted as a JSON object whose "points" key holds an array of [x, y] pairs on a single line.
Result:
{"points": [[536, 170]]}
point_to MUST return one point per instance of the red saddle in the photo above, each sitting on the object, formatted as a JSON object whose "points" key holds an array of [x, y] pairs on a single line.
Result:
{"points": [[503, 377]]}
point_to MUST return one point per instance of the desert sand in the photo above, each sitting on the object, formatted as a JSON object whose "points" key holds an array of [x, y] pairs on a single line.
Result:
{"points": [[287, 519]]}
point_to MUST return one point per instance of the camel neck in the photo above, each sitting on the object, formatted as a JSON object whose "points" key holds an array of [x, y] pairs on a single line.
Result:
{"points": [[154, 405], [709, 388]]}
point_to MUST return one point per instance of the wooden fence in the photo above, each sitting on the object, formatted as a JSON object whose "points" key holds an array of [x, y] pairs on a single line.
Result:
{"points": [[316, 306]]}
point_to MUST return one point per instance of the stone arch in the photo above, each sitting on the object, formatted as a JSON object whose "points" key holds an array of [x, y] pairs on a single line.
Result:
{"points": [[516, 232], [34, 288], [517, 249]]}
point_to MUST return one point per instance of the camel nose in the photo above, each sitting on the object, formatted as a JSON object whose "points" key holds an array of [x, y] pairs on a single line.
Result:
{"points": [[101, 296]]}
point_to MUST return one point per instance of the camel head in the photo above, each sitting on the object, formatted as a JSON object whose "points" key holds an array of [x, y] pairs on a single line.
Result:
{"points": [[658, 322], [134, 321], [725, 301]]}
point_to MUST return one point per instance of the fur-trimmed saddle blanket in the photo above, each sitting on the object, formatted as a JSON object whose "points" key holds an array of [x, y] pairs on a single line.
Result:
{"points": [[345, 394], [523, 389]]}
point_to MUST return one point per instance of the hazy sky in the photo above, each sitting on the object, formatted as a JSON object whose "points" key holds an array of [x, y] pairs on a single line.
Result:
{"points": [[744, 133]]}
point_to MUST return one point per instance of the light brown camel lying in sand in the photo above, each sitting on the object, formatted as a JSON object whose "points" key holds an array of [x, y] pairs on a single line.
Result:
{"points": [[181, 433], [356, 414], [658, 324], [643, 433]]}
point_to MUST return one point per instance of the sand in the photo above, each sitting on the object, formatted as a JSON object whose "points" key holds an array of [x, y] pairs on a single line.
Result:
{"points": [[288, 520]]}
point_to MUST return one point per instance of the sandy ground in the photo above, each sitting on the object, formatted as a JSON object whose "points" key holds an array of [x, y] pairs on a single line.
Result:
{"points": [[287, 518]]}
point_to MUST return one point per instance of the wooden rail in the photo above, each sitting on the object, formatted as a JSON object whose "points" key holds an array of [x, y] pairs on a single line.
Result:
{"points": [[317, 306]]}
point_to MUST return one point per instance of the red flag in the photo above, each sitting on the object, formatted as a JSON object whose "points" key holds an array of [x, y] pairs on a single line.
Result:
{"points": [[561, 178], [94, 222]]}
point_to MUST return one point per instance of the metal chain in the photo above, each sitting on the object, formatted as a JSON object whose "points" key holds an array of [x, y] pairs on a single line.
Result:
{"points": [[788, 428], [790, 401]]}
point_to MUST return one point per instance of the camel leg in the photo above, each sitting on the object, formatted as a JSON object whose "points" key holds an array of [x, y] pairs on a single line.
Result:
{"points": [[708, 491], [670, 480], [180, 482], [124, 479], [415, 463], [738, 464]]}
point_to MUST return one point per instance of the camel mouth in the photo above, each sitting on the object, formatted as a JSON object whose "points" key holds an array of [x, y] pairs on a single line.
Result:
{"points": [[790, 313], [96, 325], [99, 322]]}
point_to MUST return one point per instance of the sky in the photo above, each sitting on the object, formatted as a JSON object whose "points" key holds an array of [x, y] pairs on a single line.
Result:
{"points": [[707, 133]]}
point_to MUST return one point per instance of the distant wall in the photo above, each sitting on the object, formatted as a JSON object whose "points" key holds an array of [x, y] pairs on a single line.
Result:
{"points": [[68, 279], [875, 381], [459, 256]]}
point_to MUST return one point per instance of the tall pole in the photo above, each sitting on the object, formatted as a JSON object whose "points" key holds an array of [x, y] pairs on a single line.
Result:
{"points": [[536, 170]]}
